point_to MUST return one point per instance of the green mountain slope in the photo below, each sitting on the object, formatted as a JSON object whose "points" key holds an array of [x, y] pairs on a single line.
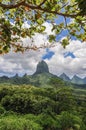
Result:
{"points": [[43, 78]]}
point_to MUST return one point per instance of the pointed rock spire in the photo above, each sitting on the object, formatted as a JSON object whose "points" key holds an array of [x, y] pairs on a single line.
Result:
{"points": [[42, 67]]}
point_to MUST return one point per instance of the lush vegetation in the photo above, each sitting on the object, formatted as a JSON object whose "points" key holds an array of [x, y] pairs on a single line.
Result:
{"points": [[25, 107]]}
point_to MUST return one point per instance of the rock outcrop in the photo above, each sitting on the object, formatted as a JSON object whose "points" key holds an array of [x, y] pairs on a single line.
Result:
{"points": [[42, 67]]}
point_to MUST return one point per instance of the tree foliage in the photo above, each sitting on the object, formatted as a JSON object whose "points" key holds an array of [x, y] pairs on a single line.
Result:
{"points": [[82, 6], [14, 14], [30, 108]]}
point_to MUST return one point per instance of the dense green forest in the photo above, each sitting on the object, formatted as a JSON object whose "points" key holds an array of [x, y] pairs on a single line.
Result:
{"points": [[25, 107]]}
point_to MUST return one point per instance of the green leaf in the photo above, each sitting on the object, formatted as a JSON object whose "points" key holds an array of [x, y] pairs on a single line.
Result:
{"points": [[51, 38]]}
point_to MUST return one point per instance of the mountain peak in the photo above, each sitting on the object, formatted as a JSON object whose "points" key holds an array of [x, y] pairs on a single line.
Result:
{"points": [[63, 74], [16, 76], [76, 77], [77, 80], [42, 67], [64, 77]]}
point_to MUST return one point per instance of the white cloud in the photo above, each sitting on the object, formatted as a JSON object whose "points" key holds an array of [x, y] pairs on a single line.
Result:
{"points": [[71, 66], [48, 28], [13, 63], [6, 66], [26, 63], [38, 39]]}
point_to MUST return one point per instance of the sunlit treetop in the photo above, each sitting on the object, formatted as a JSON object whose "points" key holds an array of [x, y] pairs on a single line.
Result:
{"points": [[14, 13]]}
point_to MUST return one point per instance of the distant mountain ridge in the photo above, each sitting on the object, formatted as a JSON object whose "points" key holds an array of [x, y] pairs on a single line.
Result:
{"points": [[41, 77], [64, 77], [75, 79]]}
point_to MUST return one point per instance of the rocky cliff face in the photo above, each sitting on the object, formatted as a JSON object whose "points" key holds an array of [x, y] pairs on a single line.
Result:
{"points": [[42, 67]]}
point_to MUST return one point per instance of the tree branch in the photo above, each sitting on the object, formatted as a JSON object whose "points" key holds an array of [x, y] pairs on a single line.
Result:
{"points": [[11, 6], [42, 3], [64, 5], [38, 8], [50, 11], [34, 47], [67, 26]]}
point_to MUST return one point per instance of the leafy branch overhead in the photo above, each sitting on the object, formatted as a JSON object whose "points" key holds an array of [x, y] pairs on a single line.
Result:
{"points": [[14, 13]]}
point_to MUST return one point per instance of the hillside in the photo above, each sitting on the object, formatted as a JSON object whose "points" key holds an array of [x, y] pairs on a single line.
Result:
{"points": [[25, 107], [41, 77], [41, 101]]}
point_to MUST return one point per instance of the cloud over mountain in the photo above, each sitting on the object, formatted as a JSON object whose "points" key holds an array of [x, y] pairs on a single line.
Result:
{"points": [[26, 63]]}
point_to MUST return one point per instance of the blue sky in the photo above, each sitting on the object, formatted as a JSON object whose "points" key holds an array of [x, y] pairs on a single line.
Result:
{"points": [[71, 60], [67, 54], [48, 55], [64, 33]]}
